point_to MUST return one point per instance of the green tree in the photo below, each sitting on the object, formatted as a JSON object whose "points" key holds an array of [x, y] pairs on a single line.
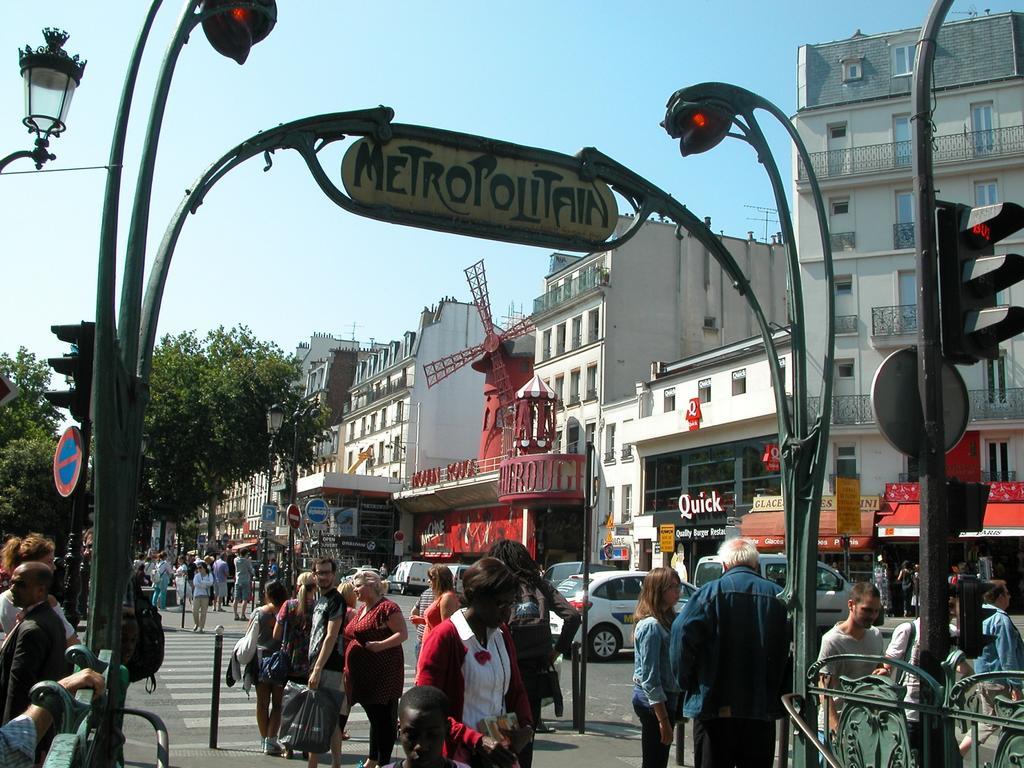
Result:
{"points": [[206, 420], [28, 415], [28, 499]]}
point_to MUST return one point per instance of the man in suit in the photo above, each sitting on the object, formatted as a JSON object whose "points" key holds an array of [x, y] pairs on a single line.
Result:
{"points": [[34, 650]]}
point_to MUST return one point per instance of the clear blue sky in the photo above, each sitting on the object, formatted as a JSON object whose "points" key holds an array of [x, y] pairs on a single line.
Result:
{"points": [[270, 250]]}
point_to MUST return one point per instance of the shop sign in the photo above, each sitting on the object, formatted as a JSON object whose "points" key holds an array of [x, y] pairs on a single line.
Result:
{"points": [[700, 534], [454, 183], [702, 504], [828, 504], [847, 505], [770, 458], [467, 531], [693, 415], [542, 477], [667, 537], [457, 470]]}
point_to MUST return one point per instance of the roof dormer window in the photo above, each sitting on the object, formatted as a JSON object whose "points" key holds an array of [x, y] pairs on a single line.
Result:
{"points": [[853, 69]]}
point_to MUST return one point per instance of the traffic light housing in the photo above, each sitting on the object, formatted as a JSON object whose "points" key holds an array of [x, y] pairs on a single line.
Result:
{"points": [[971, 612], [970, 276], [235, 29], [77, 367], [965, 506]]}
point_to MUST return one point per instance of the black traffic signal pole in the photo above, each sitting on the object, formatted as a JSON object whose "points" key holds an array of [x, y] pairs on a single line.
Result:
{"points": [[588, 524], [79, 512], [932, 457]]}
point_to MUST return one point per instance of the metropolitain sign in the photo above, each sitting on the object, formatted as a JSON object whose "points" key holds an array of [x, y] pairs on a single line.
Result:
{"points": [[473, 186]]}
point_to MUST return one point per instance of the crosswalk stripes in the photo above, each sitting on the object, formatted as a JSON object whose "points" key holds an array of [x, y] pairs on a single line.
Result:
{"points": [[185, 682]]}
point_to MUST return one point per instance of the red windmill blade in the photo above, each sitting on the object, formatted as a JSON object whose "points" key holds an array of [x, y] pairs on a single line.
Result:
{"points": [[491, 347]]}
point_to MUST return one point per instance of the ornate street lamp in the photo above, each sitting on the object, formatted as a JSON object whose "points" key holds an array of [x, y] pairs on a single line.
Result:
{"points": [[275, 420], [51, 77], [701, 116]]}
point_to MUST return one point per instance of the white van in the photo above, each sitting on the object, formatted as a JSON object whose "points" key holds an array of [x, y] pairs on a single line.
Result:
{"points": [[457, 570], [409, 576], [833, 589]]}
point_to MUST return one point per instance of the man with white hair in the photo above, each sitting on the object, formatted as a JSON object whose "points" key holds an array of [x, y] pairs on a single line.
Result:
{"points": [[730, 653]]}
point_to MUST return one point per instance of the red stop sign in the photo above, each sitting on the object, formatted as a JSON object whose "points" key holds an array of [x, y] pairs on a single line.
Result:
{"points": [[294, 515], [399, 536]]}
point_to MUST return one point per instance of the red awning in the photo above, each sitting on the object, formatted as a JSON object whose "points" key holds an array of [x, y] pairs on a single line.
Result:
{"points": [[1001, 520], [246, 544], [767, 531]]}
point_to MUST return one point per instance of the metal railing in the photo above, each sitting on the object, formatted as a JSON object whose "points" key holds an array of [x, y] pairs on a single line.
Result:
{"points": [[363, 399], [590, 278], [951, 148], [1001, 476], [903, 235], [609, 456], [626, 454], [846, 323], [843, 241], [577, 340], [846, 409], [996, 403], [574, 399], [894, 321], [591, 394]]}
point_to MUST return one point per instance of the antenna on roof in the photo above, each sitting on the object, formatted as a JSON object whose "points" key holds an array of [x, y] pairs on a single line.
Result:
{"points": [[768, 215]]}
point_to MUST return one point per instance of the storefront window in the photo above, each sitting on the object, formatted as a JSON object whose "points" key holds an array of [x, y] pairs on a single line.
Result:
{"points": [[734, 470]]}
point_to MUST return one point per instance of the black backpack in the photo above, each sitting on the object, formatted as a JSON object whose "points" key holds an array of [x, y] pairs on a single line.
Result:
{"points": [[149, 650]]}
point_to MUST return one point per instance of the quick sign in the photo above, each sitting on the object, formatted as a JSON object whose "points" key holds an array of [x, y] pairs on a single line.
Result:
{"points": [[693, 413], [702, 509], [469, 185]]}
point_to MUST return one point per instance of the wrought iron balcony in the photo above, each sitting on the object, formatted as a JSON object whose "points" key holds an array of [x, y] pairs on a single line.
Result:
{"points": [[574, 399], [577, 340], [1004, 476], [591, 394], [989, 404], [893, 321], [846, 409], [903, 235], [843, 241], [590, 278], [951, 148], [609, 456], [546, 354], [626, 454], [846, 323]]}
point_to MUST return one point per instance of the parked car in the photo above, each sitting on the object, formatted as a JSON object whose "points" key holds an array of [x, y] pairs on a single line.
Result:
{"points": [[832, 588], [612, 603], [457, 570], [409, 577], [559, 572]]}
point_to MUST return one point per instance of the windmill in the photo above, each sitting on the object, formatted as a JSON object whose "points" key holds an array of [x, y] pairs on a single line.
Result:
{"points": [[490, 357]]}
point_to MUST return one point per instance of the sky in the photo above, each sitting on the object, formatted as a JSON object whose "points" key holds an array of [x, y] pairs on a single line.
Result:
{"points": [[270, 250]]}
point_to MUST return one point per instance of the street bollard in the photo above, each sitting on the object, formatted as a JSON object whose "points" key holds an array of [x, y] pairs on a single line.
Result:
{"points": [[680, 740], [577, 708], [183, 601], [218, 651]]}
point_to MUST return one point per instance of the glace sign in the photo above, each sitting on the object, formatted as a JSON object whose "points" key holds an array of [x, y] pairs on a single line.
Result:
{"points": [[470, 185]]}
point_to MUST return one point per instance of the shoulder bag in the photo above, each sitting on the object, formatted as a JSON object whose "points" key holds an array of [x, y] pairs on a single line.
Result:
{"points": [[275, 667]]}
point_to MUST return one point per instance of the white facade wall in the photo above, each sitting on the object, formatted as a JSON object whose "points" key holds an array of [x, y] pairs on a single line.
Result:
{"points": [[876, 269]]}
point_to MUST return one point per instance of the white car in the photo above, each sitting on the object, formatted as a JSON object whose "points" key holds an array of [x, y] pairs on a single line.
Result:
{"points": [[613, 598]]}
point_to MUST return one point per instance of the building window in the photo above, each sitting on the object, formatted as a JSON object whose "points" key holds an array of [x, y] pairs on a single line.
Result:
{"points": [[846, 461], [574, 387], [903, 60], [383, 417], [704, 390], [609, 442], [546, 345], [981, 123], [627, 503], [998, 461], [349, 463], [670, 399], [398, 411], [591, 430], [852, 70], [837, 131], [844, 285], [739, 382], [560, 339], [986, 193], [995, 379], [362, 426], [351, 430], [557, 447], [591, 382], [611, 504], [840, 206], [373, 422], [559, 386], [577, 331], [572, 436], [901, 140], [593, 325], [380, 451], [844, 369]]}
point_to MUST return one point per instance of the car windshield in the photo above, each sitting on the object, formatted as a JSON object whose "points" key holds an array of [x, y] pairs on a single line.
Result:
{"points": [[571, 586]]}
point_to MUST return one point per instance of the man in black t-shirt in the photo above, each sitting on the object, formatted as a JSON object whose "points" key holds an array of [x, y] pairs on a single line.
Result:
{"points": [[326, 661]]}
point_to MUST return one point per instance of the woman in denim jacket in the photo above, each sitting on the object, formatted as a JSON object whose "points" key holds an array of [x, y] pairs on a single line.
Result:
{"points": [[655, 690]]}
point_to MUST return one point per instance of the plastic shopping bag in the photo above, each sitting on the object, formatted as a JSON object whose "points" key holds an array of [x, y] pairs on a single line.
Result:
{"points": [[308, 719]]}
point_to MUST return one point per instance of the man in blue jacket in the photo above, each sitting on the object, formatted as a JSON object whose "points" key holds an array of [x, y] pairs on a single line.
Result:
{"points": [[1004, 653], [730, 653]]}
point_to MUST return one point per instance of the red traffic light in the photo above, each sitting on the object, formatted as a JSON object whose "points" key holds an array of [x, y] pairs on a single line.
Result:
{"points": [[233, 30]]}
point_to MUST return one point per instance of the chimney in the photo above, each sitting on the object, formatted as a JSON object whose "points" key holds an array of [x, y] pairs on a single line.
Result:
{"points": [[707, 222], [750, 234]]}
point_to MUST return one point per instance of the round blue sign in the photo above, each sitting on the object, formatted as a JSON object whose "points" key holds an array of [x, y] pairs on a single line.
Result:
{"points": [[316, 511]]}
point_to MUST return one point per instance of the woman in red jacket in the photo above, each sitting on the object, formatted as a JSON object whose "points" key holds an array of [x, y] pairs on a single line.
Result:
{"points": [[471, 657]]}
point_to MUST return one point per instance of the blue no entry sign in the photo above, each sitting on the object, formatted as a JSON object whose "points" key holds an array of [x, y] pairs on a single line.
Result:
{"points": [[67, 462], [316, 511]]}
